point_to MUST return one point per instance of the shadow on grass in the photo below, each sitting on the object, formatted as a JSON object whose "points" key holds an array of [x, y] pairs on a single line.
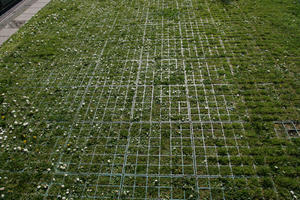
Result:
{"points": [[225, 1]]}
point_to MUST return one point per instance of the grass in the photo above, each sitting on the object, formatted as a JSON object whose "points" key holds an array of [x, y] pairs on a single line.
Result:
{"points": [[152, 100]]}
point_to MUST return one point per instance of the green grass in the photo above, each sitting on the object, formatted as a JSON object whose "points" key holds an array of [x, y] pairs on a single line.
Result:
{"points": [[152, 100]]}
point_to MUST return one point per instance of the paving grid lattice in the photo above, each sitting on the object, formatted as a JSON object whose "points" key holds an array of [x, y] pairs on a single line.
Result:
{"points": [[138, 167], [162, 126], [288, 129]]}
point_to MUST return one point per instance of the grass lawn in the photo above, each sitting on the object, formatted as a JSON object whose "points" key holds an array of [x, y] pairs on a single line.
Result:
{"points": [[156, 99]]}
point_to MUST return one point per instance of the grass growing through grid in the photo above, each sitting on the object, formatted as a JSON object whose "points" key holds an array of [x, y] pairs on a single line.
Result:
{"points": [[152, 99]]}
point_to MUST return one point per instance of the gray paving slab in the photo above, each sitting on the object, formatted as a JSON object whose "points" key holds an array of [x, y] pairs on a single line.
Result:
{"points": [[7, 32], [32, 10], [39, 4], [44, 1], [3, 39], [24, 17]]}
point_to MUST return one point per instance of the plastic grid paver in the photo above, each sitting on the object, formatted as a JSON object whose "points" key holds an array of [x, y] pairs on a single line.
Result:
{"points": [[158, 128], [157, 121]]}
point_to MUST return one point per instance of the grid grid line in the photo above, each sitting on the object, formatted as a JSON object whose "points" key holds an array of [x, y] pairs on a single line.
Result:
{"points": [[147, 107]]}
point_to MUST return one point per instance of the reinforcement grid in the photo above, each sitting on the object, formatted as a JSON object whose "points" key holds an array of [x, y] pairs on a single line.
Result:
{"points": [[162, 126]]}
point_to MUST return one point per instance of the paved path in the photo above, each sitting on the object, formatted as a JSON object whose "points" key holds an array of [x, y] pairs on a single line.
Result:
{"points": [[17, 16]]}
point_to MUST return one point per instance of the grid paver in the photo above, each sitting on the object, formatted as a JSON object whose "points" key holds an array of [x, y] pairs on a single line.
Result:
{"points": [[144, 107]]}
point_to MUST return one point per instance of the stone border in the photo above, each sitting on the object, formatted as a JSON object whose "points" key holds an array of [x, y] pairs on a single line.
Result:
{"points": [[17, 16]]}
